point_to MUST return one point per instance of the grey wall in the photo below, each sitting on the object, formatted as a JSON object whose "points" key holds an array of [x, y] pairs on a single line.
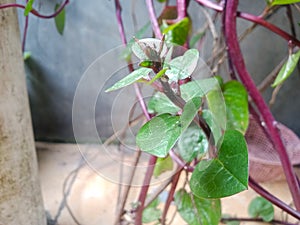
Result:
{"points": [[58, 63]]}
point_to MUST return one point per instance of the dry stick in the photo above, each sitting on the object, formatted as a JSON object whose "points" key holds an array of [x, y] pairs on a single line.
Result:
{"points": [[256, 19], [239, 64]]}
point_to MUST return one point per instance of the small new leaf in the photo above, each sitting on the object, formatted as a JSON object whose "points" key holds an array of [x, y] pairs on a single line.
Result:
{"points": [[163, 165], [60, 20], [151, 213], [28, 7], [261, 208], [177, 33], [287, 69]]}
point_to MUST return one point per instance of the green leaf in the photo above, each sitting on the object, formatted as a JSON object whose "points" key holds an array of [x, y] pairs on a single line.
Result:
{"points": [[126, 54], [182, 67], [177, 33], [213, 125], [26, 55], [287, 69], [225, 175], [130, 78], [60, 20], [160, 103], [28, 7], [195, 38], [189, 112], [151, 213], [236, 100], [284, 2], [192, 144], [261, 208], [196, 210], [162, 165], [159, 135]]}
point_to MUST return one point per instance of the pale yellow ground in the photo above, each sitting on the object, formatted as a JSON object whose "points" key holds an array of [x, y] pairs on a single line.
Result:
{"points": [[94, 195]]}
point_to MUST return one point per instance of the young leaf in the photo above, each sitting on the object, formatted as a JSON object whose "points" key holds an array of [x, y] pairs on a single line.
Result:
{"points": [[131, 78], [182, 67], [196, 38], [28, 7], [189, 112], [196, 210], [192, 144], [177, 33], [261, 208], [60, 20], [126, 54], [26, 55], [236, 100], [283, 2], [151, 213], [160, 103], [225, 175], [162, 165], [151, 46], [287, 69], [159, 135], [228, 222]]}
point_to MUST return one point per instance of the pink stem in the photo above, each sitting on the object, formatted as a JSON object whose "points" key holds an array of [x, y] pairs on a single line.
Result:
{"points": [[34, 12], [239, 64], [181, 9], [153, 19], [25, 33]]}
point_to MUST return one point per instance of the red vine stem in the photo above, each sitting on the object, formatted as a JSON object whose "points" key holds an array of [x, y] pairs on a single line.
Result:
{"points": [[256, 19], [181, 9], [239, 64], [25, 32], [152, 160], [260, 190], [35, 12]]}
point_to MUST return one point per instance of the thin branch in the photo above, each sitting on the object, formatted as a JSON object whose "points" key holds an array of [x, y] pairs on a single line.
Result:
{"points": [[256, 19], [25, 33], [264, 193], [170, 195], [153, 18], [224, 220], [239, 64], [35, 12]]}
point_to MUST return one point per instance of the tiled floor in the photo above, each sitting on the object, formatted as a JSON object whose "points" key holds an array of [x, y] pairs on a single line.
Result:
{"points": [[94, 194]]}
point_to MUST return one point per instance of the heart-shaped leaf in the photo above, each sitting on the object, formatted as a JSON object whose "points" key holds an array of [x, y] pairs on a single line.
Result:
{"points": [[236, 100], [159, 135], [130, 78], [225, 175], [196, 210], [261, 208], [182, 67]]}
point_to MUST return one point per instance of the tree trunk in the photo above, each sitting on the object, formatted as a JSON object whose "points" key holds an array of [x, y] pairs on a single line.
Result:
{"points": [[20, 196]]}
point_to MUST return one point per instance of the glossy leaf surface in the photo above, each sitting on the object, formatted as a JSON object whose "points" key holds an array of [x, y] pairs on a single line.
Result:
{"points": [[225, 175], [130, 78], [196, 210], [236, 100]]}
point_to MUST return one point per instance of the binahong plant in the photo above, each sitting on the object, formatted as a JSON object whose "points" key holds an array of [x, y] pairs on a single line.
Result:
{"points": [[200, 123]]}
